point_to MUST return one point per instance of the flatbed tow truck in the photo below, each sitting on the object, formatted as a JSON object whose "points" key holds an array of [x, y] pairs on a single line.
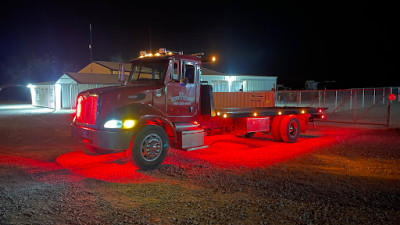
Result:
{"points": [[164, 104]]}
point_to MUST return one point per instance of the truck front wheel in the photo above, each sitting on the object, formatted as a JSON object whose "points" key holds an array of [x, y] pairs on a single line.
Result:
{"points": [[149, 148]]}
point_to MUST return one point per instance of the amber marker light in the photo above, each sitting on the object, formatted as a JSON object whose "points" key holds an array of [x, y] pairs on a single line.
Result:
{"points": [[128, 124], [255, 114], [225, 115], [279, 113]]}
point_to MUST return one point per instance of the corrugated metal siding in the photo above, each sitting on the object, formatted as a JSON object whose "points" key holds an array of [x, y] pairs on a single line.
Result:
{"points": [[69, 93], [246, 83], [243, 99]]}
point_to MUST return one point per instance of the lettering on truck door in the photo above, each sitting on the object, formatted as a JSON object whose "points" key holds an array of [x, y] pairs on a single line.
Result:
{"points": [[181, 90]]}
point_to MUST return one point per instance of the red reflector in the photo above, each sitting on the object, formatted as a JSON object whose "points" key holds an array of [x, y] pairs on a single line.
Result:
{"points": [[322, 116]]}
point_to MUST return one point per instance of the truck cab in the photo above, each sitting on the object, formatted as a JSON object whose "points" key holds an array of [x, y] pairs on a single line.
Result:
{"points": [[159, 104]]}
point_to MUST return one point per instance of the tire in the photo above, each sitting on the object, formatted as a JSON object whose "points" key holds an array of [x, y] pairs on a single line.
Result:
{"points": [[289, 129], [149, 148], [275, 128]]}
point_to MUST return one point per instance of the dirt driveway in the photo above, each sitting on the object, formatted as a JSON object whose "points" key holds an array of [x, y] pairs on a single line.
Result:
{"points": [[333, 175]]}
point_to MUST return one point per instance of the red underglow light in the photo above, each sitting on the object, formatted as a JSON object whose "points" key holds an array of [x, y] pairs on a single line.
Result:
{"points": [[110, 167], [229, 151], [43, 171]]}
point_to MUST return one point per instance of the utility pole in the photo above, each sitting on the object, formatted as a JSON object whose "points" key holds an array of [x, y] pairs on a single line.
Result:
{"points": [[90, 43], [150, 36]]}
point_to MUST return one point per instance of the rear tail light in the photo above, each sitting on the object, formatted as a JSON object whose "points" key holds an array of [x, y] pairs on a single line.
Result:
{"points": [[86, 109]]}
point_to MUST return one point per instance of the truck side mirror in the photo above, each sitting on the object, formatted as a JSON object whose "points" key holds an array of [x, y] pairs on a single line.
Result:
{"points": [[121, 73]]}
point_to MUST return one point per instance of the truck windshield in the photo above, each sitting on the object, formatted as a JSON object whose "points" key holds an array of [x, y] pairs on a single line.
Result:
{"points": [[148, 70]]}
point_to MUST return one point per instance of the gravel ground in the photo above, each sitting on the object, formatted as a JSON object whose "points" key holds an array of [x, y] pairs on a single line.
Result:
{"points": [[333, 175]]}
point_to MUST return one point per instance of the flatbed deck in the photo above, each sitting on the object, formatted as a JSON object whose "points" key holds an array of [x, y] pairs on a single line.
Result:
{"points": [[267, 111]]}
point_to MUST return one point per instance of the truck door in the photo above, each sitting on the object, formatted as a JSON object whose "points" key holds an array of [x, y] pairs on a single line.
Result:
{"points": [[182, 99]]}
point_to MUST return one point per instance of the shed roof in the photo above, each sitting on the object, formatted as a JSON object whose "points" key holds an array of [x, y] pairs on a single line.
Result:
{"points": [[93, 78], [114, 65], [45, 83]]}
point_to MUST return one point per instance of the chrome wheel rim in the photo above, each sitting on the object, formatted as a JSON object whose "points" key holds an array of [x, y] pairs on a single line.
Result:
{"points": [[151, 147], [293, 129]]}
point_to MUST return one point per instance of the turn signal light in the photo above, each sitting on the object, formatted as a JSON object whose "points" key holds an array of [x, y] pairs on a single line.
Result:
{"points": [[128, 124]]}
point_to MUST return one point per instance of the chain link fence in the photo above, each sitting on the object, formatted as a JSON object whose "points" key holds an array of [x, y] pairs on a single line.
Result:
{"points": [[360, 106]]}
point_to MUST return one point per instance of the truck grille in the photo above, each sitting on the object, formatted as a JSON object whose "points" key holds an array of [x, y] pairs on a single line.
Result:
{"points": [[86, 109]]}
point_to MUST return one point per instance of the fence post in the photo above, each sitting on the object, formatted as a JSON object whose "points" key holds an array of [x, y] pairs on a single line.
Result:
{"points": [[383, 96], [299, 98], [355, 105], [373, 103], [336, 100], [351, 99], [388, 114], [319, 98], [362, 103]]}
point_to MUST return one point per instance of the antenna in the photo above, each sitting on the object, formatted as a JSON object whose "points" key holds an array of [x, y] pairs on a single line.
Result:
{"points": [[150, 36], [90, 43]]}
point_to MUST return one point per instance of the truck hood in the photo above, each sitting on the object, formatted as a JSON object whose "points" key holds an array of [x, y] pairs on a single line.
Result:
{"points": [[126, 89], [117, 96]]}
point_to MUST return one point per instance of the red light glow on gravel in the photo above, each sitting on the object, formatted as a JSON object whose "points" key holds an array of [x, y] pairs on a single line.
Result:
{"points": [[225, 151], [110, 167]]}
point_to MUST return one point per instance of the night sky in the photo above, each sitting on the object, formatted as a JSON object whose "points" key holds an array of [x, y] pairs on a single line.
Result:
{"points": [[352, 43]]}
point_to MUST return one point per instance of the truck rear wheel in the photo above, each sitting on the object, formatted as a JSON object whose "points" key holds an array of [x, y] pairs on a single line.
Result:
{"points": [[149, 148], [289, 129]]}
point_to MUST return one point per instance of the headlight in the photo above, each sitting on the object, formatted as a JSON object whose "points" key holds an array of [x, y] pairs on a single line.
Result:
{"points": [[113, 124], [126, 124]]}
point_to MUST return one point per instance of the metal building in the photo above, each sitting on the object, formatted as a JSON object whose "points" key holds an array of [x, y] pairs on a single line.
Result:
{"points": [[235, 83], [62, 94]]}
